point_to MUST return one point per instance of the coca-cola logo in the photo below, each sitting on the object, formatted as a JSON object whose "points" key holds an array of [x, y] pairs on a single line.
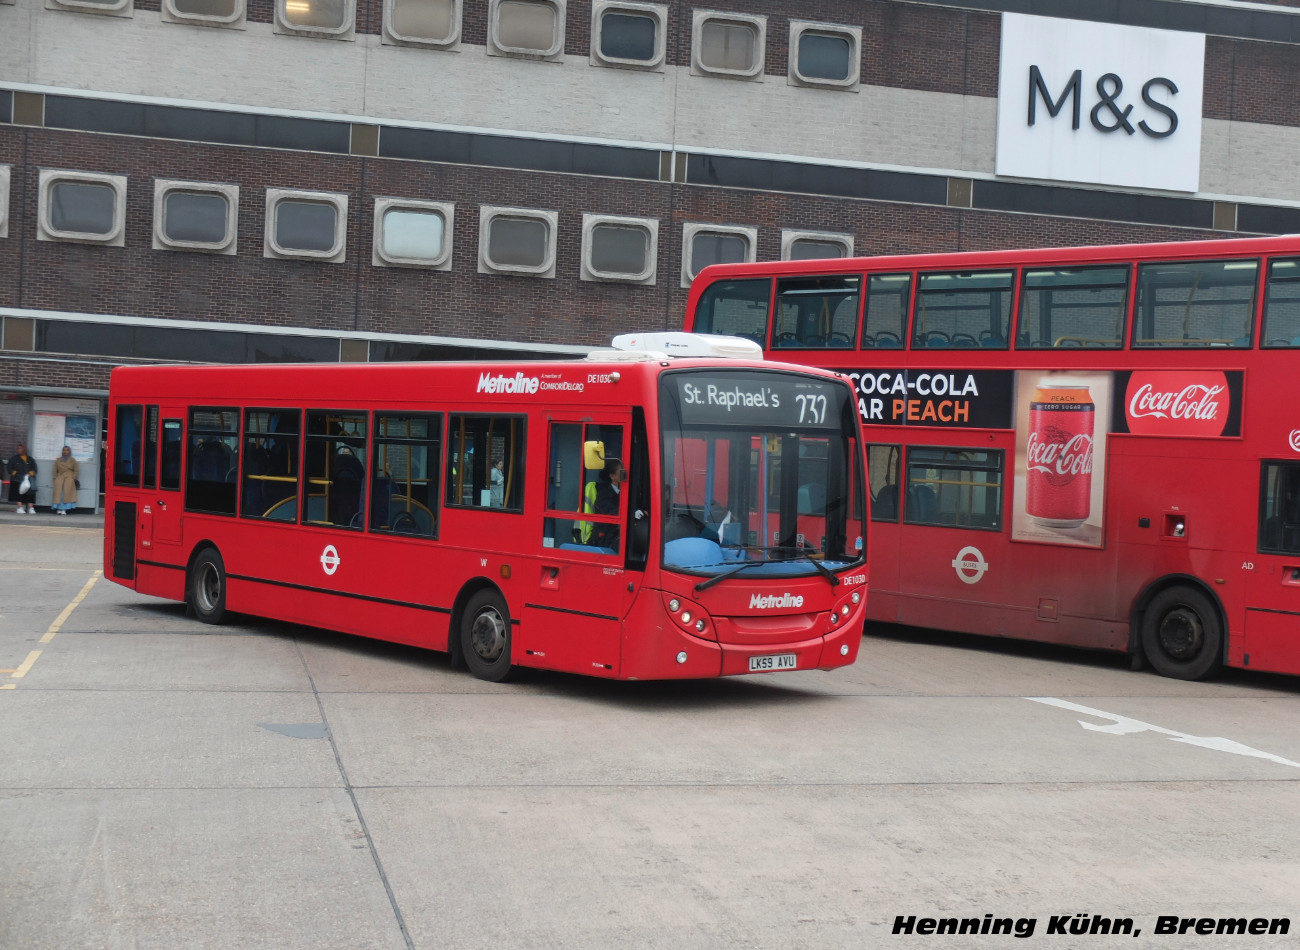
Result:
{"points": [[1059, 455], [1177, 403]]}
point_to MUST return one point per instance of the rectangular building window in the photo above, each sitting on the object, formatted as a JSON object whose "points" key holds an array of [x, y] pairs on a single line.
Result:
{"points": [[630, 35], [729, 45], [1282, 304], [619, 249], [404, 479], [954, 488], [306, 224], [486, 462], [82, 207], [334, 492], [1195, 304], [816, 313], [410, 233], [270, 488], [707, 244], [1279, 508], [824, 55], [517, 241], [324, 18], [529, 28], [195, 216], [206, 12], [1073, 307], [210, 482], [962, 310], [423, 22], [884, 324]]}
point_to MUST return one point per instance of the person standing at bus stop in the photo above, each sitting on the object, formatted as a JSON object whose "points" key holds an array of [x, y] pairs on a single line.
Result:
{"points": [[66, 471], [21, 466]]}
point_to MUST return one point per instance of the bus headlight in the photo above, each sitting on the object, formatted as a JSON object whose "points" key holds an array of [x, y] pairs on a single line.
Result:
{"points": [[674, 605], [857, 597], [688, 616], [681, 657], [835, 618]]}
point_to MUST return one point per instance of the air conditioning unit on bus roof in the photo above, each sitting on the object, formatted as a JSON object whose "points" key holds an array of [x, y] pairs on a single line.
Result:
{"points": [[661, 345]]}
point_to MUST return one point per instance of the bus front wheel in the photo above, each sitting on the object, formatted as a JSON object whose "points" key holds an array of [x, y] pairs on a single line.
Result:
{"points": [[207, 587], [1182, 635], [485, 636]]}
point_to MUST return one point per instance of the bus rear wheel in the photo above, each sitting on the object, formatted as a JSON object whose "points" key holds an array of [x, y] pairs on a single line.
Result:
{"points": [[207, 587], [1182, 635], [485, 636]]}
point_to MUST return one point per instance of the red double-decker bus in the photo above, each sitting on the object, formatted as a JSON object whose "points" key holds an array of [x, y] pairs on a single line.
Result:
{"points": [[632, 516], [1094, 446]]}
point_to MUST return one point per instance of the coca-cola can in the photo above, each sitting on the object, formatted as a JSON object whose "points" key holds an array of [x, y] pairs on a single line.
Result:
{"points": [[1058, 458]]}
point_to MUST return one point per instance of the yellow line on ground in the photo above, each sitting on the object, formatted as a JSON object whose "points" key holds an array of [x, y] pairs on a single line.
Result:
{"points": [[25, 665], [67, 611], [9, 686]]}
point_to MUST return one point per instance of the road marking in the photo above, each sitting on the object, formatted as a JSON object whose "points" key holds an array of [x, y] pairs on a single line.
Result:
{"points": [[1123, 726], [25, 667]]}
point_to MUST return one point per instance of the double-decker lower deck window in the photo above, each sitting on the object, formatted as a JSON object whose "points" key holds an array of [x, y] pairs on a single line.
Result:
{"points": [[963, 310], [954, 487], [1279, 508], [213, 460], [270, 486], [335, 489], [404, 480], [486, 464], [1195, 303], [1073, 307]]}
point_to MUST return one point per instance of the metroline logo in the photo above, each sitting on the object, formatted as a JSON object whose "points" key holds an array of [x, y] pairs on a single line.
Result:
{"points": [[518, 383], [772, 601]]}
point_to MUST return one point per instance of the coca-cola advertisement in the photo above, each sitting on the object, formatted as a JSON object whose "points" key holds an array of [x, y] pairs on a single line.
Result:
{"points": [[1185, 403], [1062, 420]]}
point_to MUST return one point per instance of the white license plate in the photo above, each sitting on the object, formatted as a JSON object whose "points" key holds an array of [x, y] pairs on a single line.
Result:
{"points": [[778, 661]]}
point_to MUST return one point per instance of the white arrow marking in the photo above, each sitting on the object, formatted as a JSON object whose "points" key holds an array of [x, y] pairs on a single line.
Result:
{"points": [[1123, 726]]}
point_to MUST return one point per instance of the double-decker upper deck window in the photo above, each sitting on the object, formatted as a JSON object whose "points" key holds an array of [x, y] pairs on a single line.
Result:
{"points": [[816, 312], [954, 487], [1282, 304], [213, 465], [963, 310], [404, 483], [885, 321], [1195, 303], [486, 462], [270, 488], [1073, 307], [735, 308], [423, 22], [334, 492]]}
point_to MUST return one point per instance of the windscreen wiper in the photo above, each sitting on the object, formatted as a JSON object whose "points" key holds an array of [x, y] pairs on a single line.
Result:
{"points": [[719, 578], [835, 581]]}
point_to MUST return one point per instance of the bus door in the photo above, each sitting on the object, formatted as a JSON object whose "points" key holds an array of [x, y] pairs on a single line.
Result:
{"points": [[1272, 629], [574, 607], [166, 503]]}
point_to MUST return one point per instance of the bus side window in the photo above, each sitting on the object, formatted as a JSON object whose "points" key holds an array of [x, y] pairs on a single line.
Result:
{"points": [[126, 447], [1279, 509], [335, 451], [735, 308], [213, 460], [270, 488], [486, 464], [404, 474], [885, 324]]}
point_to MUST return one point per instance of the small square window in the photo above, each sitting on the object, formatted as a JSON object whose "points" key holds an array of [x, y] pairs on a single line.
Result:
{"points": [[517, 241], [623, 250], [227, 13], [730, 45], [705, 244], [82, 207], [533, 29], [4, 201], [814, 245], [195, 216], [412, 233], [335, 19], [310, 225], [825, 55], [629, 35], [105, 7], [433, 23]]}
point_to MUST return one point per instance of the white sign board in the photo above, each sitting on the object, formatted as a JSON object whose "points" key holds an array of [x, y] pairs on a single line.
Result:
{"points": [[1100, 103]]}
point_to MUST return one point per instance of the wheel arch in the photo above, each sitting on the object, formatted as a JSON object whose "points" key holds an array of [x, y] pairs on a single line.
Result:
{"points": [[1160, 585]]}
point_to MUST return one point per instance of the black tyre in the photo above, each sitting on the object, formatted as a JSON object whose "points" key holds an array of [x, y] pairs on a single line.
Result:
{"points": [[206, 587], [485, 636], [1182, 635]]}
